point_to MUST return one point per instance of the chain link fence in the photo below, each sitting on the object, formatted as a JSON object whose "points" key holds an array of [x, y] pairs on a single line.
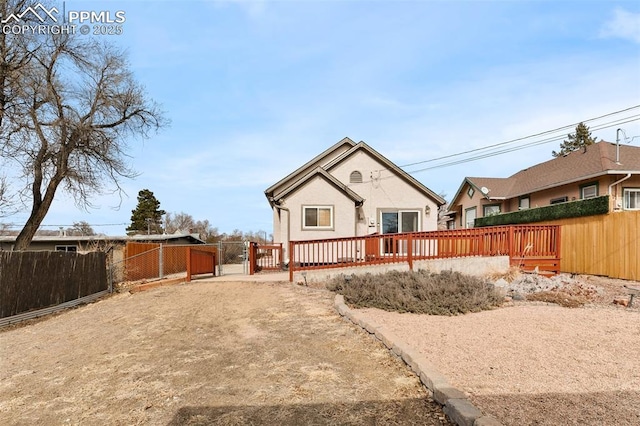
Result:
{"points": [[152, 261]]}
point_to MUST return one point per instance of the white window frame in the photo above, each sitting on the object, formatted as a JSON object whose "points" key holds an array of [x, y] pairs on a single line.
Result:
{"points": [[67, 248], [627, 198], [583, 196], [316, 227], [487, 207], [521, 203], [466, 216]]}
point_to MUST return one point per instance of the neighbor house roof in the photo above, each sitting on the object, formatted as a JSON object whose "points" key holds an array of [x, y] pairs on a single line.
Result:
{"points": [[322, 164], [590, 162], [64, 239]]}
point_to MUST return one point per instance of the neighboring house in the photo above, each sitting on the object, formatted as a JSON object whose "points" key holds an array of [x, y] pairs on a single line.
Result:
{"points": [[83, 244], [603, 168], [350, 190]]}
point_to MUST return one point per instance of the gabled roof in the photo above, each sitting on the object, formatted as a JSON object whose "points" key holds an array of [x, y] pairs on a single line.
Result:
{"points": [[320, 172], [362, 146], [318, 161], [590, 162], [498, 187], [329, 159]]}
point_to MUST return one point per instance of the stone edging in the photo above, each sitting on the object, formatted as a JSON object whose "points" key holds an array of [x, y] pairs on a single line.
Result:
{"points": [[454, 402]]}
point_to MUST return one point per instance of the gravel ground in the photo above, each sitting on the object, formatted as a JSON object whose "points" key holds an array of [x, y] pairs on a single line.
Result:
{"points": [[534, 363]]}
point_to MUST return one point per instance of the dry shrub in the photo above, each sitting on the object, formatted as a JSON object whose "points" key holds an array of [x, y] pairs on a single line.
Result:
{"points": [[509, 275], [560, 298], [422, 292]]}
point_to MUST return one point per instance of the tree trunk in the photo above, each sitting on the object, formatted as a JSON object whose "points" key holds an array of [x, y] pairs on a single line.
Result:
{"points": [[38, 213]]}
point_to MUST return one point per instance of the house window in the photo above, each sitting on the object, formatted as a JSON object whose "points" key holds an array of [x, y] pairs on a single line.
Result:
{"points": [[490, 210], [632, 199], [471, 191], [524, 203], [67, 248], [317, 217], [559, 200], [470, 217], [589, 191], [355, 177]]}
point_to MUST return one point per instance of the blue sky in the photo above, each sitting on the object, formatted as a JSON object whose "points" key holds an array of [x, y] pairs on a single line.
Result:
{"points": [[256, 88]]}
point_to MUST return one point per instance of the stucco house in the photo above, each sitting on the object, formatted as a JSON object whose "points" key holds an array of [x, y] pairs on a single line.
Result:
{"points": [[603, 168], [349, 190]]}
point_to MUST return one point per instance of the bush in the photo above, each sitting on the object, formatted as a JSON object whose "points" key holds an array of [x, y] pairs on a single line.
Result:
{"points": [[589, 207], [422, 292]]}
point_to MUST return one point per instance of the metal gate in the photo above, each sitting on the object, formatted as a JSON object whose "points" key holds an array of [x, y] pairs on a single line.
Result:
{"points": [[233, 258]]}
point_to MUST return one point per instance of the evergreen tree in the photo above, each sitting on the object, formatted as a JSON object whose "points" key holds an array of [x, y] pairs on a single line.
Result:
{"points": [[581, 138], [147, 216]]}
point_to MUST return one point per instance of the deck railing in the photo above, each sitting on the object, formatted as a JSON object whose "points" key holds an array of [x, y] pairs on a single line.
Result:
{"points": [[265, 257], [527, 246]]}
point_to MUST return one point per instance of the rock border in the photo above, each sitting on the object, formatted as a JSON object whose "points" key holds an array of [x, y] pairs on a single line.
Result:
{"points": [[454, 402]]}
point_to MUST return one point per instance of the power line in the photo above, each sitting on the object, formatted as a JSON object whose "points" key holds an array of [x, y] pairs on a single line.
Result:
{"points": [[563, 128], [517, 148], [70, 226], [549, 139]]}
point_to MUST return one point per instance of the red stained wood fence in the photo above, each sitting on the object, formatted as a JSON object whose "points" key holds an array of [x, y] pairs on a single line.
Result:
{"points": [[154, 260], [200, 262], [528, 246]]}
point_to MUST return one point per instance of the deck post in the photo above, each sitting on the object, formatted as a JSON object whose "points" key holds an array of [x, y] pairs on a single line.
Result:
{"points": [[511, 242], [410, 251], [291, 261]]}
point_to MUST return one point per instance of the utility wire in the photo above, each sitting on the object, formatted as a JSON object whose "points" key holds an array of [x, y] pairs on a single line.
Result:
{"points": [[517, 148], [549, 139], [563, 128]]}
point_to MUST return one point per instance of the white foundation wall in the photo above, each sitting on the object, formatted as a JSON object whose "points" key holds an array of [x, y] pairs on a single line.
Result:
{"points": [[476, 266]]}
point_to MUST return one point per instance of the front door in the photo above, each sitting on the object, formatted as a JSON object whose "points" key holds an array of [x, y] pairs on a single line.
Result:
{"points": [[394, 222]]}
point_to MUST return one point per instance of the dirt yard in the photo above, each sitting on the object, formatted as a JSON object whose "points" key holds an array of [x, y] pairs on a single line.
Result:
{"points": [[532, 363], [205, 353]]}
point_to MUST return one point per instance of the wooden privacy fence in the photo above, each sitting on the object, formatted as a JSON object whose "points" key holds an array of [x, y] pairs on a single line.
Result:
{"points": [[154, 260], [36, 280], [265, 257], [200, 262], [527, 246], [607, 245]]}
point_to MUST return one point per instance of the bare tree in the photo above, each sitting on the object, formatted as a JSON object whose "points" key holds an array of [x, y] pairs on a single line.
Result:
{"points": [[74, 106], [185, 222], [81, 228]]}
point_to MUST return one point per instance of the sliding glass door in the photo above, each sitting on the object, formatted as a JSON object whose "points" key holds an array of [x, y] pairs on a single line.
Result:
{"points": [[394, 222]]}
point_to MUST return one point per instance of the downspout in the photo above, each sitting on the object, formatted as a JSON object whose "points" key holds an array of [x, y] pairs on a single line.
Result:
{"points": [[617, 182], [288, 227]]}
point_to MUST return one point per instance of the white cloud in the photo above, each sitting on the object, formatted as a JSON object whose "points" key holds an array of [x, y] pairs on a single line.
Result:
{"points": [[624, 24]]}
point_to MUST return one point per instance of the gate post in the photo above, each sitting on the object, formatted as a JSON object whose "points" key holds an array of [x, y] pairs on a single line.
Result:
{"points": [[252, 258], [220, 258], [160, 261]]}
